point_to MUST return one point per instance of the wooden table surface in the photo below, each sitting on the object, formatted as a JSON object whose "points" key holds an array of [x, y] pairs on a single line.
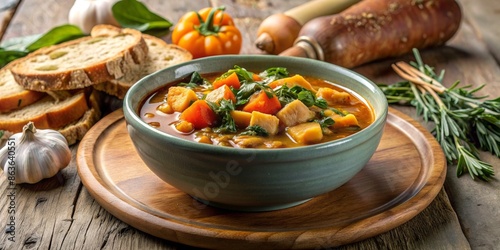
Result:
{"points": [[59, 213]]}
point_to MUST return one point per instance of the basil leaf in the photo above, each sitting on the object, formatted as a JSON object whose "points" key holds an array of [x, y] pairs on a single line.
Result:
{"points": [[56, 35], [134, 14], [7, 56], [255, 130]]}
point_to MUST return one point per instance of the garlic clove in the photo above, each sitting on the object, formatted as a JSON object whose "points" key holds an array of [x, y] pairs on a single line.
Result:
{"points": [[88, 13]]}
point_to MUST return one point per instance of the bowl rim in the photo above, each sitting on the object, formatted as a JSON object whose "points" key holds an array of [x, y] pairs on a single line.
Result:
{"points": [[133, 119]]}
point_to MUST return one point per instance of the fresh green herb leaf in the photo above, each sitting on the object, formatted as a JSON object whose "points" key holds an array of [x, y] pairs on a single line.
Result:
{"points": [[273, 74], [287, 95], [460, 118], [223, 110], [7, 56], [326, 122], [57, 35], [195, 80], [247, 89], [244, 75], [255, 130], [134, 14]]}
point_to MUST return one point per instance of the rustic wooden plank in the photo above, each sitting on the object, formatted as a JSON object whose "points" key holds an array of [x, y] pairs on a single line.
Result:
{"points": [[7, 10], [484, 17]]}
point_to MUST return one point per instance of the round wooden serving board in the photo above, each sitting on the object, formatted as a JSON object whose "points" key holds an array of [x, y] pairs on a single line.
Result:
{"points": [[401, 179]]}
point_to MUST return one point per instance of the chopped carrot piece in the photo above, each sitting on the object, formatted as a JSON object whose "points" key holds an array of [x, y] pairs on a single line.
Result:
{"points": [[241, 118], [262, 103], [292, 81], [256, 77], [179, 98], [230, 81], [199, 114], [222, 93]]}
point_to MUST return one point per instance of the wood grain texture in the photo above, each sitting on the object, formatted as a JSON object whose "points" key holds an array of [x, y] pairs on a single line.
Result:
{"points": [[402, 178]]}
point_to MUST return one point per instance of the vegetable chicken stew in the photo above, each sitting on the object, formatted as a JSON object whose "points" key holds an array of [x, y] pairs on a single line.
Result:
{"points": [[268, 109]]}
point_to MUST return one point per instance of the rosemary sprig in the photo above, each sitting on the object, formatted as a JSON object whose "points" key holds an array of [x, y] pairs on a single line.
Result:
{"points": [[464, 123]]}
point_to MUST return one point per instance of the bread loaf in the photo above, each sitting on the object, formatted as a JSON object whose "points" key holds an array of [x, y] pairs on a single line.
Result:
{"points": [[13, 96], [46, 113], [160, 55], [82, 62]]}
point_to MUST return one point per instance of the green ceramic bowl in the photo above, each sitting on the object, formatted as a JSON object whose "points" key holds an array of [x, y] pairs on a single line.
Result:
{"points": [[254, 179]]}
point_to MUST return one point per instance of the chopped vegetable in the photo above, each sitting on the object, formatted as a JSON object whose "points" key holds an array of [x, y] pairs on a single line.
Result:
{"points": [[230, 80], [333, 97], [211, 31], [306, 133], [241, 118], [179, 98], [223, 110], [292, 81], [199, 114], [261, 102], [348, 120]]}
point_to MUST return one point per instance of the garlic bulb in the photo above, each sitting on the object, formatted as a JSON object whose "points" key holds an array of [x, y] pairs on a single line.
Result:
{"points": [[87, 13], [33, 155]]}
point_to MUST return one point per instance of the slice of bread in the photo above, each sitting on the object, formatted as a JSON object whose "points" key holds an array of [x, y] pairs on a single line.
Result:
{"points": [[13, 96], [46, 113], [82, 62], [75, 131], [160, 55]]}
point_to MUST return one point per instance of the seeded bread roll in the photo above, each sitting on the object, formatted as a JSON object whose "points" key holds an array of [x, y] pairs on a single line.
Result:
{"points": [[13, 96], [160, 55], [82, 62]]}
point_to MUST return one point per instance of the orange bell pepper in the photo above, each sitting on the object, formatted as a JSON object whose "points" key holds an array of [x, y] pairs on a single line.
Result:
{"points": [[209, 32]]}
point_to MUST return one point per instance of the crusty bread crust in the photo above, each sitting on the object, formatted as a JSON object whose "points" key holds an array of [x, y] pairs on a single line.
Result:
{"points": [[75, 131], [160, 56], [13, 96], [46, 113], [37, 71]]}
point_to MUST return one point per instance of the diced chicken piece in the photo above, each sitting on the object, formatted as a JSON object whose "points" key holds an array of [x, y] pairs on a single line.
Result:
{"points": [[348, 120], [241, 118], [306, 133], [292, 81], [270, 123], [221, 93], [179, 98], [294, 113], [333, 96]]}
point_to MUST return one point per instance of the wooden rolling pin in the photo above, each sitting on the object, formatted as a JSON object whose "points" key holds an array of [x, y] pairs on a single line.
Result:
{"points": [[279, 31], [377, 29]]}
